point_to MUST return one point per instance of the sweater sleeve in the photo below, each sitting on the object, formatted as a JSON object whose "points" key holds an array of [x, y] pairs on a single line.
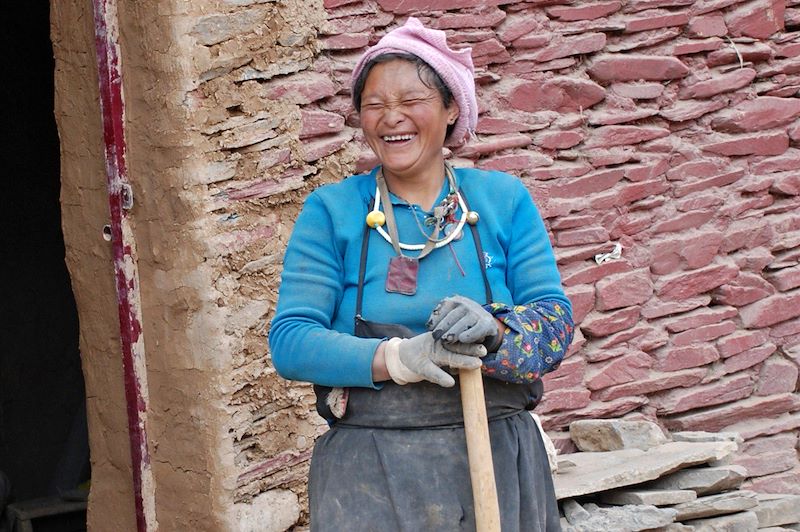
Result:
{"points": [[539, 326], [302, 343]]}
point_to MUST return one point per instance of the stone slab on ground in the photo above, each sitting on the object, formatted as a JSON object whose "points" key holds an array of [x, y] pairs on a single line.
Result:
{"points": [[720, 504], [632, 518], [776, 509], [594, 472], [703, 480], [615, 434], [652, 497], [739, 522]]}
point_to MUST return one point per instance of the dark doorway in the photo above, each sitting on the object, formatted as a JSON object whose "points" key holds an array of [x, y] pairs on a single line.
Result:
{"points": [[43, 436]]}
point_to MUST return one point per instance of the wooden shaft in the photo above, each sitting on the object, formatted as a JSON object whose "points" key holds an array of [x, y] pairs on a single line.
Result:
{"points": [[479, 451]]}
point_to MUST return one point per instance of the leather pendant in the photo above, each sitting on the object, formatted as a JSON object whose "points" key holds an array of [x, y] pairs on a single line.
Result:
{"points": [[402, 275]]}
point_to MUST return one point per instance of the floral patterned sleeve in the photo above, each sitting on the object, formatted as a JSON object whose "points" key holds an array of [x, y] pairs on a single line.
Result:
{"points": [[535, 340]]}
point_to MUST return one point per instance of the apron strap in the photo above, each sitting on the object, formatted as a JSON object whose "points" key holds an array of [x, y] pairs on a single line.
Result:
{"points": [[362, 266], [476, 237]]}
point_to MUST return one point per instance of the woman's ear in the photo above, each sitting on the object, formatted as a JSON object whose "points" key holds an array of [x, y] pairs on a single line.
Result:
{"points": [[452, 113]]}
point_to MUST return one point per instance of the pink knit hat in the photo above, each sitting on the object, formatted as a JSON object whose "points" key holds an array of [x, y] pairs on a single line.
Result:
{"points": [[453, 66]]}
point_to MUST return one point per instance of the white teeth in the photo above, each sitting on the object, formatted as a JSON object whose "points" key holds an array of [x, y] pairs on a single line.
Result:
{"points": [[390, 138]]}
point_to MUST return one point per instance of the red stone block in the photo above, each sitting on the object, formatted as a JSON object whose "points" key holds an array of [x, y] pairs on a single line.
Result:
{"points": [[328, 4], [585, 235], [782, 163], [760, 144], [345, 41], [582, 299], [735, 209], [750, 53], [484, 18], [739, 342], [574, 45], [684, 221], [589, 273], [782, 483], [562, 94], [587, 12], [726, 82], [788, 50], [788, 185], [653, 20], [766, 426], [695, 47], [692, 251], [534, 40], [682, 111], [495, 126], [747, 234], [556, 400], [595, 410], [701, 168], [578, 341], [633, 6], [705, 333], [607, 136], [630, 224], [604, 324], [765, 112], [644, 39], [716, 418], [316, 123], [634, 366], [678, 358], [656, 383], [607, 157], [624, 290], [493, 144], [749, 358], [568, 375], [609, 118], [785, 279], [772, 310], [700, 317], [707, 26], [768, 463], [643, 172], [558, 140], [577, 220], [629, 193], [515, 162], [711, 182], [585, 185], [469, 36], [724, 391], [644, 337], [517, 25], [758, 19], [301, 88], [745, 289], [777, 375], [321, 147], [403, 7], [630, 67], [487, 47], [687, 284], [638, 91], [777, 442], [785, 328], [753, 260]]}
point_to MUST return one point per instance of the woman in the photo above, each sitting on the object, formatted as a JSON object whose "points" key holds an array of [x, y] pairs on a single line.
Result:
{"points": [[395, 279]]}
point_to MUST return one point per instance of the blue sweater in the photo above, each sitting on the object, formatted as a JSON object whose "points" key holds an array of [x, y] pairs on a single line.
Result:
{"points": [[311, 338]]}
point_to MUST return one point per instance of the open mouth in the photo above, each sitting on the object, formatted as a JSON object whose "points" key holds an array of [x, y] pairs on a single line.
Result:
{"points": [[398, 139]]}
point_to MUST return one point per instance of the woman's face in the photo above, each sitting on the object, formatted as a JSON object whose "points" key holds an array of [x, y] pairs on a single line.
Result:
{"points": [[404, 121]]}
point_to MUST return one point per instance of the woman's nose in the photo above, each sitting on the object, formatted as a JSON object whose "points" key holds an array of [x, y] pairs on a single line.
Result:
{"points": [[392, 115]]}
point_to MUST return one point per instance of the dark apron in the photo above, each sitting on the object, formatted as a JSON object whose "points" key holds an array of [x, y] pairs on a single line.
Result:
{"points": [[397, 459]]}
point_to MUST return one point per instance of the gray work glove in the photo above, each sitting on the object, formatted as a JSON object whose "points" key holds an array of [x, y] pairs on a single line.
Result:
{"points": [[460, 319], [421, 358]]}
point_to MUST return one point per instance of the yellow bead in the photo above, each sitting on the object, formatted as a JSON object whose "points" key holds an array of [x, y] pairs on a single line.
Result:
{"points": [[472, 217], [376, 219]]}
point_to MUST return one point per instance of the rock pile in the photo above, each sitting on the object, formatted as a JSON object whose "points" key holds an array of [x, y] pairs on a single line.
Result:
{"points": [[630, 476]]}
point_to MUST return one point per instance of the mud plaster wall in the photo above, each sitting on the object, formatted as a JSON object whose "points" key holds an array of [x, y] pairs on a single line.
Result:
{"points": [[687, 157]]}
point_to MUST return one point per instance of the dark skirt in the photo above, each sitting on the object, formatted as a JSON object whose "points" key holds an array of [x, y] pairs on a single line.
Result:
{"points": [[413, 479]]}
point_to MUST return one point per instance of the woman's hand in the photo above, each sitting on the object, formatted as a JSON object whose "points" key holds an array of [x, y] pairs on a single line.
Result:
{"points": [[460, 319], [422, 357]]}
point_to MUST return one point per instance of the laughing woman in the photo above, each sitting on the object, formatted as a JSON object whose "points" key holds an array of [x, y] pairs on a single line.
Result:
{"points": [[394, 279]]}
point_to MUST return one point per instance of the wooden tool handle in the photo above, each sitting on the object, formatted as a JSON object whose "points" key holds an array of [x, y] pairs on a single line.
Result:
{"points": [[479, 451]]}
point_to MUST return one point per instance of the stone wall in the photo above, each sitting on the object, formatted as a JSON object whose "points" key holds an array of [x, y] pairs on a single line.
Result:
{"points": [[667, 126]]}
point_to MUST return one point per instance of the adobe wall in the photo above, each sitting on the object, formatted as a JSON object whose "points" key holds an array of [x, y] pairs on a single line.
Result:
{"points": [[669, 126]]}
